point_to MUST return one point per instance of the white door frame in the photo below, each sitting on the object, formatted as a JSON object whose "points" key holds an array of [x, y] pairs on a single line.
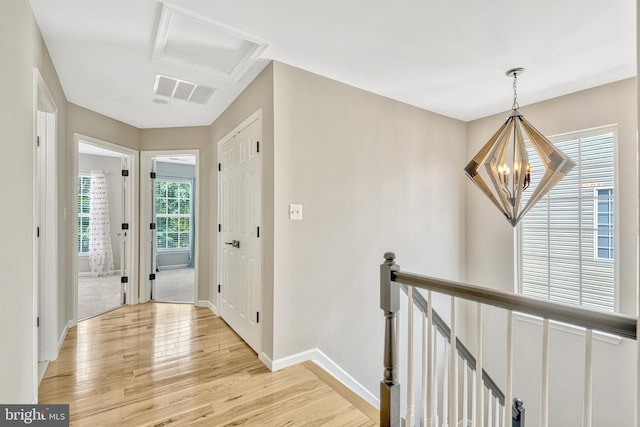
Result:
{"points": [[45, 220], [257, 116], [146, 207], [132, 208]]}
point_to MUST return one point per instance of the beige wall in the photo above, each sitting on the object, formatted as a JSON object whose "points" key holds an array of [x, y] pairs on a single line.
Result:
{"points": [[258, 95], [86, 122], [187, 138], [373, 175], [490, 261], [21, 49]]}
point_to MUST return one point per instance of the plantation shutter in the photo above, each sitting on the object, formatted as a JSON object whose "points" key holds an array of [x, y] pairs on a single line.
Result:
{"points": [[559, 257]]}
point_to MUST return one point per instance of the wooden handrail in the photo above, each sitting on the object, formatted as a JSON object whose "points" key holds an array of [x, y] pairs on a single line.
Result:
{"points": [[612, 323]]}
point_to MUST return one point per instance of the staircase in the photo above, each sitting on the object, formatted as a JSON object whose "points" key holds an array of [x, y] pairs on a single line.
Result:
{"points": [[429, 382]]}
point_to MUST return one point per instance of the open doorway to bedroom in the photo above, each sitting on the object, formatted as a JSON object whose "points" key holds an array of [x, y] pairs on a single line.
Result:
{"points": [[169, 204], [104, 231]]}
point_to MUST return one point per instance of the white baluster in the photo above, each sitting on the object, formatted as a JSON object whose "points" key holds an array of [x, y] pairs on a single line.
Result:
{"points": [[496, 403], [445, 386], [410, 410], [424, 412], [489, 409], [465, 393], [509, 369], [436, 374], [431, 378], [474, 402], [453, 368], [479, 409], [588, 379], [544, 394], [637, 409]]}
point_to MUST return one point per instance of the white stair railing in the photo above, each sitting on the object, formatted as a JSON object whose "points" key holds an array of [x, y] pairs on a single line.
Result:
{"points": [[484, 411]]}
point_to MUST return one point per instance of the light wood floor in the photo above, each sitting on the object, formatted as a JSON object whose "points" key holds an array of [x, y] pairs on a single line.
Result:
{"points": [[174, 364]]}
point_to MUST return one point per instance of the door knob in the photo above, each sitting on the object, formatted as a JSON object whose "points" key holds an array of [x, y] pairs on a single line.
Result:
{"points": [[234, 243]]}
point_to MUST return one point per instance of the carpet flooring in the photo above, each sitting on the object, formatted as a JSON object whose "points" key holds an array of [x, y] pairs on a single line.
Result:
{"points": [[97, 295], [175, 285]]}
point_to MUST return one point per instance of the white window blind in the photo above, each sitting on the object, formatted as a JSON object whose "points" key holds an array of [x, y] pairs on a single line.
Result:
{"points": [[560, 237]]}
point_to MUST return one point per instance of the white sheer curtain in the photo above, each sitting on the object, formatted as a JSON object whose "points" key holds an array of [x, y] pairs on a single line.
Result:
{"points": [[100, 250]]}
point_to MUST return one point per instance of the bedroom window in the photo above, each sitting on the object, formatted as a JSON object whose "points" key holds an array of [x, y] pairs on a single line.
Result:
{"points": [[173, 214], [567, 240]]}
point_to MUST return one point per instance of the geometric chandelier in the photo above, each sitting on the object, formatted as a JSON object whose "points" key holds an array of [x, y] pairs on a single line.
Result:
{"points": [[507, 173]]}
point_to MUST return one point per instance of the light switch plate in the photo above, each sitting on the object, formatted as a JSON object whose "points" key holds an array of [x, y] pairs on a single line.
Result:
{"points": [[295, 212]]}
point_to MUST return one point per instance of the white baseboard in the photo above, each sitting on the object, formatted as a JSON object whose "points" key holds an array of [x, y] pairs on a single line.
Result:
{"points": [[63, 335], [266, 361], [341, 375], [316, 355], [42, 369], [209, 305], [172, 267], [294, 359]]}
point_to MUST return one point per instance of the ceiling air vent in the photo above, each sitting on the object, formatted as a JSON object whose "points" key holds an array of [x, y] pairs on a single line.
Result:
{"points": [[181, 89]]}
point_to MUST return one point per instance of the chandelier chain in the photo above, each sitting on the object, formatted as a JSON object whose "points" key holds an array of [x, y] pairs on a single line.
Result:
{"points": [[515, 105]]}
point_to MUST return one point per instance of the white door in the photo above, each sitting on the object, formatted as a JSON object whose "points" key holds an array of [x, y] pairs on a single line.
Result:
{"points": [[124, 233], [153, 268], [239, 237], [40, 204]]}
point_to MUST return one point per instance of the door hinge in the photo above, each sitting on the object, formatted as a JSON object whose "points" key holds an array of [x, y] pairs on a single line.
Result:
{"points": [[219, 167], [219, 288], [37, 231], [258, 232], [152, 175], [257, 146], [37, 141], [125, 172], [124, 279], [152, 226], [257, 317], [219, 228], [152, 276], [125, 226], [38, 322]]}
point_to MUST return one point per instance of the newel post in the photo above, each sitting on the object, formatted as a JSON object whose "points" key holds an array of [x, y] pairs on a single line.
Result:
{"points": [[390, 304]]}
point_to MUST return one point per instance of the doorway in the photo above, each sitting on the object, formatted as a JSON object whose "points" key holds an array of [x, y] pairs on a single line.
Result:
{"points": [[45, 215], [105, 227], [169, 250], [240, 219]]}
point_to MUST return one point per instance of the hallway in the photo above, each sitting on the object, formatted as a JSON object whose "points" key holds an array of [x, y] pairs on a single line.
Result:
{"points": [[176, 364]]}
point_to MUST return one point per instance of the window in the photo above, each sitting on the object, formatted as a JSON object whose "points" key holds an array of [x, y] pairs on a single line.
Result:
{"points": [[84, 200], [567, 239], [173, 214]]}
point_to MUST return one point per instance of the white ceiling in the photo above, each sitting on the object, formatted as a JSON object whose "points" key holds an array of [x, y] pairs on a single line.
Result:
{"points": [[446, 56]]}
